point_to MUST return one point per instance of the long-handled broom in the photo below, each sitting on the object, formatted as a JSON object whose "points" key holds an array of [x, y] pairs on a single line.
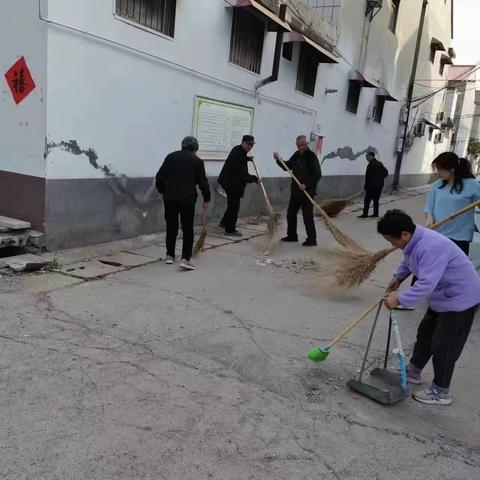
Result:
{"points": [[334, 206], [200, 243], [342, 238], [320, 354], [353, 268], [273, 218]]}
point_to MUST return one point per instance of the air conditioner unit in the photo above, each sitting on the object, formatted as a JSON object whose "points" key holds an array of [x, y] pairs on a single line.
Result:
{"points": [[438, 138], [440, 116], [419, 129]]}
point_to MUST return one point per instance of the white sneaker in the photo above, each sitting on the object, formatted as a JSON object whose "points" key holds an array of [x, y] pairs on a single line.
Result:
{"points": [[432, 396], [169, 260], [187, 265]]}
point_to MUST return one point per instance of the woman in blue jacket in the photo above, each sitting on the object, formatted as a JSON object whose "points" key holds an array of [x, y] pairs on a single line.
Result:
{"points": [[455, 189]]}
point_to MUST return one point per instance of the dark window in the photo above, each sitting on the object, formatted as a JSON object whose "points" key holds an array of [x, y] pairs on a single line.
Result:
{"points": [[378, 111], [442, 67], [287, 51], [159, 15], [430, 134], [353, 97], [392, 24], [307, 70], [246, 42]]}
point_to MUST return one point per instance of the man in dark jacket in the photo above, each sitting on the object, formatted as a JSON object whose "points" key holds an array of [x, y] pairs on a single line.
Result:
{"points": [[234, 178], [177, 181], [374, 181], [305, 166]]}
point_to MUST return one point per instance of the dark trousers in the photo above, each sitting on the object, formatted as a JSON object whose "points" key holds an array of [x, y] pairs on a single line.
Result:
{"points": [[464, 245], [297, 202], [230, 217], [372, 194], [442, 336], [186, 212]]}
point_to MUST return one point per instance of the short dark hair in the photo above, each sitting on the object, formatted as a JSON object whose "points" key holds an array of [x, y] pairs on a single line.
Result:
{"points": [[190, 144], [394, 222]]}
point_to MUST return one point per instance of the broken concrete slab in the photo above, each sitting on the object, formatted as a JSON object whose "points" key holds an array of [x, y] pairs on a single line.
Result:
{"points": [[13, 223], [27, 262], [153, 251], [90, 270], [13, 239], [47, 281], [126, 259]]}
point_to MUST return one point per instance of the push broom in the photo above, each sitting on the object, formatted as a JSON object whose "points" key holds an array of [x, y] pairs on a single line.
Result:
{"points": [[353, 268], [273, 218]]}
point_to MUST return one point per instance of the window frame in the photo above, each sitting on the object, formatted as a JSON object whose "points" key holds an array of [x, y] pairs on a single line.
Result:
{"points": [[309, 52], [241, 11], [145, 28], [393, 20]]}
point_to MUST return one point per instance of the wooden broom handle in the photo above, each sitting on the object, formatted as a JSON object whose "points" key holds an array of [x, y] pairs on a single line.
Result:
{"points": [[262, 186], [456, 214], [297, 181], [354, 323]]}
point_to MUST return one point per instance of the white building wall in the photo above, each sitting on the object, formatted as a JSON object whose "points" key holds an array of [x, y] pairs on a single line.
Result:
{"points": [[464, 118]]}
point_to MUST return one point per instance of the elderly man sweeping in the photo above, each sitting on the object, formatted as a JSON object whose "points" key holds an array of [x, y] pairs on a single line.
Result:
{"points": [[305, 166], [449, 283]]}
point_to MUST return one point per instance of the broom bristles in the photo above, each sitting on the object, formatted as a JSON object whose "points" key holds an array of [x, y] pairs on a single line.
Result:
{"points": [[353, 268], [200, 243], [272, 230], [334, 206]]}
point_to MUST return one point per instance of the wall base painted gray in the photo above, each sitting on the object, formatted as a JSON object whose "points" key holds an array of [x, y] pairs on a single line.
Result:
{"points": [[88, 211]]}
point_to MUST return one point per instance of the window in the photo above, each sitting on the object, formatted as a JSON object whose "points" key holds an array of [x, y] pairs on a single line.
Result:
{"points": [[159, 15], [378, 110], [353, 97], [246, 42], [307, 70], [329, 10], [430, 134], [392, 24], [287, 51]]}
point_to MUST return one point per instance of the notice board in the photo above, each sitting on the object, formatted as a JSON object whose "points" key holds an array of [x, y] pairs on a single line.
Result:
{"points": [[219, 126]]}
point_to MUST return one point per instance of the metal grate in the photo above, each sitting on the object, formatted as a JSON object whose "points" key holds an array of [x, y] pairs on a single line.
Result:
{"points": [[307, 70], [246, 42], [159, 15]]}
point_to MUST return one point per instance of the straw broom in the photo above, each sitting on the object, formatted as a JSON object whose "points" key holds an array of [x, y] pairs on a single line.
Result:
{"points": [[334, 206], [273, 218], [353, 268], [200, 243], [343, 239]]}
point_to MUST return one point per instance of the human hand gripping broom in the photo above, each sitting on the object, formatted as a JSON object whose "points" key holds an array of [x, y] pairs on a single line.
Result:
{"points": [[273, 218], [353, 268]]}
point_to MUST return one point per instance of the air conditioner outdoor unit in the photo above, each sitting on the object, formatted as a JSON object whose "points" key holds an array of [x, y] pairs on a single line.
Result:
{"points": [[438, 138], [419, 129]]}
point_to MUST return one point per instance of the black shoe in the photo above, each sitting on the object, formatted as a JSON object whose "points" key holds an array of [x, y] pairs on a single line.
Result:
{"points": [[309, 243], [289, 239], [235, 233], [221, 224], [373, 216], [362, 216]]}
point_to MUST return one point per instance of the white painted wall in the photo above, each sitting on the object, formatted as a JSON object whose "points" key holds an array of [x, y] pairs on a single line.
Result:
{"points": [[23, 126], [132, 108], [464, 117]]}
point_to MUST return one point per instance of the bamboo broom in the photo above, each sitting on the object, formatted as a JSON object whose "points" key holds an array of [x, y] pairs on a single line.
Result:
{"points": [[353, 268], [273, 218], [200, 243], [339, 236], [334, 206]]}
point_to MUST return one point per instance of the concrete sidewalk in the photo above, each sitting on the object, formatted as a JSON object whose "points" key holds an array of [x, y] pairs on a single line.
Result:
{"points": [[153, 373]]}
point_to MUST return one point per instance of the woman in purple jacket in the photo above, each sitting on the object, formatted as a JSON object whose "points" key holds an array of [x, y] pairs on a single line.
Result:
{"points": [[448, 281]]}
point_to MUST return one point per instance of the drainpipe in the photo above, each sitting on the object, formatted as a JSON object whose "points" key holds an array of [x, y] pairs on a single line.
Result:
{"points": [[408, 104], [278, 53]]}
